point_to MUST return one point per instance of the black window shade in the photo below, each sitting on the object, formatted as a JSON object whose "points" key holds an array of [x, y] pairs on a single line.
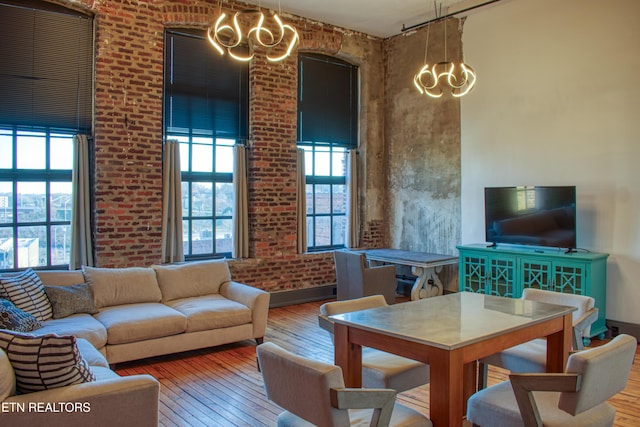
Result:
{"points": [[46, 70], [327, 104], [203, 90]]}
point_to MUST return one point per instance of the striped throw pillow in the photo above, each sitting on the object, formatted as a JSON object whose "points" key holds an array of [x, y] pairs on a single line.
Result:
{"points": [[26, 292], [44, 362]]}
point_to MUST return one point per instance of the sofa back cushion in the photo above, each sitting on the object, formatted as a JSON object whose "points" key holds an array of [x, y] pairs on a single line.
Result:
{"points": [[117, 286], [192, 279], [7, 377]]}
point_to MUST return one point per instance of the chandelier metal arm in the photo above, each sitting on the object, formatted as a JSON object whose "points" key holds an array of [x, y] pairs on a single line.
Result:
{"points": [[227, 37]]}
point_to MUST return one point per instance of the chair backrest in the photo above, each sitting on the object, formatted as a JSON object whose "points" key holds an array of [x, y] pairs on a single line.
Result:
{"points": [[583, 303], [349, 272], [604, 370], [364, 303], [302, 386], [347, 306]]}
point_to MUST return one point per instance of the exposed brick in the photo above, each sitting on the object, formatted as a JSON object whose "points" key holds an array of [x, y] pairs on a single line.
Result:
{"points": [[128, 142]]}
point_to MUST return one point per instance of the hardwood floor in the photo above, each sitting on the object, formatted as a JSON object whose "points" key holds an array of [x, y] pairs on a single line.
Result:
{"points": [[221, 386]]}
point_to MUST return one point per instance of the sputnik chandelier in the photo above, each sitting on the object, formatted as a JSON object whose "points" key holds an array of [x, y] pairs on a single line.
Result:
{"points": [[246, 32], [435, 79]]}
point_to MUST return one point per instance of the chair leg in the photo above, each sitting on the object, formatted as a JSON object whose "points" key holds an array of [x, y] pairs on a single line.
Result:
{"points": [[483, 370]]}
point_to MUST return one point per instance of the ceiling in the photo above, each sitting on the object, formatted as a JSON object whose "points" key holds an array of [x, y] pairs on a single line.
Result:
{"points": [[380, 18]]}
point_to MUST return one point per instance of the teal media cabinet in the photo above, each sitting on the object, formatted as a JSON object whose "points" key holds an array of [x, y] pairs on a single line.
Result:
{"points": [[506, 270]]}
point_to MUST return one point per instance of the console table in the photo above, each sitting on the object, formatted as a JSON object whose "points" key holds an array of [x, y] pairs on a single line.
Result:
{"points": [[425, 266], [507, 270]]}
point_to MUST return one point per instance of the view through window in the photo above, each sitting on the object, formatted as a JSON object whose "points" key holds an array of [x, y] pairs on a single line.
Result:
{"points": [[35, 198]]}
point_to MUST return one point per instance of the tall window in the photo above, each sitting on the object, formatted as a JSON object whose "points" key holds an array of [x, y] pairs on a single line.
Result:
{"points": [[327, 129], [205, 109], [45, 98]]}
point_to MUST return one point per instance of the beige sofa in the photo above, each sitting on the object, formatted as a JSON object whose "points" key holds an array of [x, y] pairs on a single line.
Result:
{"points": [[141, 312], [111, 400], [163, 309]]}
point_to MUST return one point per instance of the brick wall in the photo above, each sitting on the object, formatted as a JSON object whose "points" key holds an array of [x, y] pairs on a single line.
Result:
{"points": [[128, 140]]}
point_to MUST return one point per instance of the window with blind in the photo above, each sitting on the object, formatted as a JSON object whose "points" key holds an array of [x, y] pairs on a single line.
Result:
{"points": [[206, 110], [327, 129], [46, 76]]}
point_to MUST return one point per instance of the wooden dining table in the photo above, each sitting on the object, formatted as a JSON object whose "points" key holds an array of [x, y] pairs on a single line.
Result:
{"points": [[450, 333]]}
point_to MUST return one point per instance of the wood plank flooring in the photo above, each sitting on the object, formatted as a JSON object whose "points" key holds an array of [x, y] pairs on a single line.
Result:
{"points": [[221, 386]]}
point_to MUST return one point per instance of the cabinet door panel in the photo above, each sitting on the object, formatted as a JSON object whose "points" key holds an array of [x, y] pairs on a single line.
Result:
{"points": [[474, 273], [501, 280], [570, 278], [536, 273]]}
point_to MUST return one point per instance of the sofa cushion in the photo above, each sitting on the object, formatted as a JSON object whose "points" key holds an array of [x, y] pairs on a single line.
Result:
{"points": [[191, 279], [79, 325], [118, 286], [211, 312], [68, 300], [44, 362], [7, 377], [90, 354], [103, 373], [138, 322], [12, 318], [26, 292]]}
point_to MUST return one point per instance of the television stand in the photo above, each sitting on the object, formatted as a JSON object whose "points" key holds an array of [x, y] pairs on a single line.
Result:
{"points": [[505, 270]]}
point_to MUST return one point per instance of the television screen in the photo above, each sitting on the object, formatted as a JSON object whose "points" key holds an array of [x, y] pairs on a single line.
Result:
{"points": [[539, 216]]}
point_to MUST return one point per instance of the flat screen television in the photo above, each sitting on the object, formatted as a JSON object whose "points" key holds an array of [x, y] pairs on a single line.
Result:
{"points": [[538, 216]]}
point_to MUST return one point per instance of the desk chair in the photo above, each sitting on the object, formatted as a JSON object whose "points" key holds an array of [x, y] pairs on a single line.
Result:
{"points": [[379, 369], [356, 279], [532, 356], [313, 393], [575, 398]]}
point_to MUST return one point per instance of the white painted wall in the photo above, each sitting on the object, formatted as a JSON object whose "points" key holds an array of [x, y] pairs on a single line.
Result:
{"points": [[558, 103]]}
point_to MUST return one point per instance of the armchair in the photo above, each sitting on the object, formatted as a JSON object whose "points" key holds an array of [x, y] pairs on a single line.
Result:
{"points": [[379, 369], [356, 279], [575, 398], [531, 356], [313, 393]]}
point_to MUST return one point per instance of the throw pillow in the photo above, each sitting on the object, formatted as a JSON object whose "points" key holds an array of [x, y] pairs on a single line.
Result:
{"points": [[68, 300], [12, 318], [26, 292], [44, 362]]}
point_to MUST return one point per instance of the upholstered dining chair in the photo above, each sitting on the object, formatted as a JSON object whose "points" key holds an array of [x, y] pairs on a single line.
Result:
{"points": [[532, 356], [356, 279], [379, 369], [313, 393], [574, 398]]}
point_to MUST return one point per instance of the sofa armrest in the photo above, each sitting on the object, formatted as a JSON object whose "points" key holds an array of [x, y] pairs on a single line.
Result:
{"points": [[123, 402], [256, 299]]}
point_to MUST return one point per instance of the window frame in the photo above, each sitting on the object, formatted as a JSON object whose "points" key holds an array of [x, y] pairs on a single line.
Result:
{"points": [[47, 175], [348, 74], [187, 136]]}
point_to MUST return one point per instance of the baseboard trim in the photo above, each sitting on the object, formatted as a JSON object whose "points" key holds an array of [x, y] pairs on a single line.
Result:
{"points": [[301, 296], [615, 327]]}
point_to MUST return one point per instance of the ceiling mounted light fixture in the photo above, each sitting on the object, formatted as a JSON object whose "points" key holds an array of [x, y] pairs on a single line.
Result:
{"points": [[435, 79], [241, 36]]}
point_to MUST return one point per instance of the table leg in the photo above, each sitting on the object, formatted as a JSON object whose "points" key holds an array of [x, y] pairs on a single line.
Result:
{"points": [[427, 283], [559, 346], [348, 356], [447, 388]]}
